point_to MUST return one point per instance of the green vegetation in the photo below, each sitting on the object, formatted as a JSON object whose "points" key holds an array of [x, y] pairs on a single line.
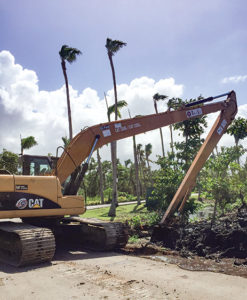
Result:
{"points": [[136, 215], [9, 161]]}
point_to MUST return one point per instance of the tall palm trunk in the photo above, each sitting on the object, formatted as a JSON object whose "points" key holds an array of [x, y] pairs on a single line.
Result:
{"points": [[161, 133], [112, 211], [137, 185], [101, 186], [114, 84], [149, 170], [114, 186], [171, 135], [68, 99], [237, 143], [136, 172]]}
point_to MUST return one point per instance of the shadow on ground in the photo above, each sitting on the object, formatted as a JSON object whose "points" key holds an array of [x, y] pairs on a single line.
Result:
{"points": [[64, 252]]}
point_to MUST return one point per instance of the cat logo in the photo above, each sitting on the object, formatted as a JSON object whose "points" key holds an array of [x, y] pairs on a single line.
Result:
{"points": [[35, 203], [21, 203]]}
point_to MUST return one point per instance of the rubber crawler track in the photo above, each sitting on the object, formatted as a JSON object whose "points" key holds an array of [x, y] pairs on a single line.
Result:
{"points": [[23, 244], [97, 234]]}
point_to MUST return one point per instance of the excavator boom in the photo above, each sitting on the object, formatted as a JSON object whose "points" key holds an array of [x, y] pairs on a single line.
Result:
{"points": [[81, 145]]}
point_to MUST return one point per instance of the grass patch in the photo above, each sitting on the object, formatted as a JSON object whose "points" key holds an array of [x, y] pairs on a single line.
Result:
{"points": [[136, 215], [133, 239], [123, 212], [97, 200]]}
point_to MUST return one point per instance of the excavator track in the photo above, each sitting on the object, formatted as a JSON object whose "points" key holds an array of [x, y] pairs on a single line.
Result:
{"points": [[23, 244], [95, 234]]}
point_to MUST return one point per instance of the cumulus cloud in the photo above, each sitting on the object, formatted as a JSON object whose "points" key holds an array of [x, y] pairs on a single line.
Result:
{"points": [[234, 79], [26, 110]]}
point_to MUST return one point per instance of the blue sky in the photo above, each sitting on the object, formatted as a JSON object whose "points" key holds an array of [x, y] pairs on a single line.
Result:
{"points": [[197, 42], [181, 48]]}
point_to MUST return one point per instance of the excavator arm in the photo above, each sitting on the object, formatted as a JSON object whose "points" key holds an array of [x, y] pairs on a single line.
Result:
{"points": [[219, 128], [88, 140]]}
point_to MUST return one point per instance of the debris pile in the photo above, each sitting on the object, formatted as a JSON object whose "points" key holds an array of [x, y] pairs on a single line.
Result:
{"points": [[226, 238]]}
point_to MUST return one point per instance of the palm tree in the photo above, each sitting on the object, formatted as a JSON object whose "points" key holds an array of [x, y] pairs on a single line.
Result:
{"points": [[138, 184], [170, 106], [141, 164], [157, 97], [120, 105], [127, 162], [238, 129], [66, 141], [148, 151], [112, 109], [68, 54], [113, 46], [101, 180], [27, 143]]}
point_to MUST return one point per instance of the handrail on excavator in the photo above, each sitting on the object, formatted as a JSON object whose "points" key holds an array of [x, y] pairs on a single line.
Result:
{"points": [[206, 100]]}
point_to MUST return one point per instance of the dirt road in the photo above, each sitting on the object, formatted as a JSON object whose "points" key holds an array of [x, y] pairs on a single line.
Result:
{"points": [[74, 274]]}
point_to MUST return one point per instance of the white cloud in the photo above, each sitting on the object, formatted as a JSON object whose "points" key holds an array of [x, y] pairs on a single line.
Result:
{"points": [[26, 110], [234, 79]]}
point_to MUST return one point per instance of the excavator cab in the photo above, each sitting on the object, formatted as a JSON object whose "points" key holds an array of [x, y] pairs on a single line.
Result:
{"points": [[37, 164]]}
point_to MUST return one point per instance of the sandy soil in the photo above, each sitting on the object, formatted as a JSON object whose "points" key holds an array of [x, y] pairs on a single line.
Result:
{"points": [[74, 274]]}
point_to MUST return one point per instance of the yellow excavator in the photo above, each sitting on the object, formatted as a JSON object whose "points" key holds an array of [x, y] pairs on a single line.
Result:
{"points": [[43, 204]]}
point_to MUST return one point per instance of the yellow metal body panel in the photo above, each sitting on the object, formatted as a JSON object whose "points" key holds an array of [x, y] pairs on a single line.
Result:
{"points": [[7, 183], [47, 187]]}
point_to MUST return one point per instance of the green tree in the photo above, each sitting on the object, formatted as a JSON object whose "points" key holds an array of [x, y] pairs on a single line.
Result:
{"points": [[157, 97], [238, 129], [9, 161], [68, 54], [217, 179], [27, 143], [166, 183], [148, 152], [66, 141], [191, 129]]}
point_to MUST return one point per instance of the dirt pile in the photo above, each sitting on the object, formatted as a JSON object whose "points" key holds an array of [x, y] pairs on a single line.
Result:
{"points": [[226, 238]]}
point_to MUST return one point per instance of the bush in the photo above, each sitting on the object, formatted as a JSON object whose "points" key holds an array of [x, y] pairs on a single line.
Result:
{"points": [[166, 183]]}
